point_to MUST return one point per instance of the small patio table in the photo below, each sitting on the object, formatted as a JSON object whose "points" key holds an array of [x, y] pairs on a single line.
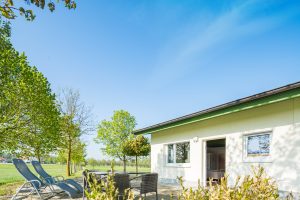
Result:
{"points": [[98, 173]]}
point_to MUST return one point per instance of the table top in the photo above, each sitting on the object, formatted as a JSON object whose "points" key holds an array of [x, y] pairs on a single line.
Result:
{"points": [[106, 173], [100, 173]]}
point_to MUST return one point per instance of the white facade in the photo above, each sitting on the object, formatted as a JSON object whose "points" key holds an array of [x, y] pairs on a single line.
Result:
{"points": [[282, 119]]}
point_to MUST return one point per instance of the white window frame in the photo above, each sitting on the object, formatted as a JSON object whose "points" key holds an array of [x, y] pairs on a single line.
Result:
{"points": [[257, 158], [176, 164]]}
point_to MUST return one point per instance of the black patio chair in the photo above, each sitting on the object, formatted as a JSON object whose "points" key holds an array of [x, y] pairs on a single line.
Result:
{"points": [[122, 183], [145, 183], [35, 185]]}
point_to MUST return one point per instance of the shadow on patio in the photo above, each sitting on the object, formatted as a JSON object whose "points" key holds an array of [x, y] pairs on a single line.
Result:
{"points": [[164, 192]]}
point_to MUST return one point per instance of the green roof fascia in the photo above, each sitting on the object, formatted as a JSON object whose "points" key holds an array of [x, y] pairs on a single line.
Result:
{"points": [[286, 95]]}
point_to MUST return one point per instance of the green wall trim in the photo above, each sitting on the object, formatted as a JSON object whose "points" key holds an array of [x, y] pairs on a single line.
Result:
{"points": [[290, 94]]}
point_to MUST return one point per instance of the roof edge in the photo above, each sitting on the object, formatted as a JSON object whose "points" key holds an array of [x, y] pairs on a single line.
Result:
{"points": [[186, 119]]}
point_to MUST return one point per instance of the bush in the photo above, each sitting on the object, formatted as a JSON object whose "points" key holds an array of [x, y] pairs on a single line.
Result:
{"points": [[105, 189], [259, 187], [101, 190]]}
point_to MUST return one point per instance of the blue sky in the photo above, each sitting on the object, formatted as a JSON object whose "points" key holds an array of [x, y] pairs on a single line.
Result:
{"points": [[163, 59]]}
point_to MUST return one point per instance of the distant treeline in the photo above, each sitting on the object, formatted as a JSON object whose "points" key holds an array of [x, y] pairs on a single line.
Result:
{"points": [[143, 162]]}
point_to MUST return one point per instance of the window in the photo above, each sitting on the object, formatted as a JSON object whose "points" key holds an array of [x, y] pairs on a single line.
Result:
{"points": [[179, 153], [258, 145], [171, 153]]}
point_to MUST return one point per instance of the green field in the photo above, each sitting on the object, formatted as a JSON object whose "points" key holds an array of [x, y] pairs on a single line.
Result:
{"points": [[10, 177], [9, 174]]}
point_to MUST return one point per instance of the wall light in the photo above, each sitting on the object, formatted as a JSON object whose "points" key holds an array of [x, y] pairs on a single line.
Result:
{"points": [[195, 139]]}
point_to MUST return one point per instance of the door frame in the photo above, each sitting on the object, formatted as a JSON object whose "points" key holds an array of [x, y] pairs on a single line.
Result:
{"points": [[204, 156]]}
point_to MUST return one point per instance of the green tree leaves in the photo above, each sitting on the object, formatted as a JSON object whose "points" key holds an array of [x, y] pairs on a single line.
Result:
{"points": [[9, 10], [114, 134], [32, 122], [138, 146], [29, 115]]}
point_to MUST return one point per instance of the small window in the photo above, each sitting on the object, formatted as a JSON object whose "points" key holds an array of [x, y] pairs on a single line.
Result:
{"points": [[179, 153], [258, 145]]}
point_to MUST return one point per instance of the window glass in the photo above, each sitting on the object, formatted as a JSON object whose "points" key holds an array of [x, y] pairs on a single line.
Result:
{"points": [[258, 145], [183, 152], [171, 153]]}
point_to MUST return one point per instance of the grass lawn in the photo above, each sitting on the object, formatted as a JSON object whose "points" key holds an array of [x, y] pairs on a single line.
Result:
{"points": [[10, 178]]}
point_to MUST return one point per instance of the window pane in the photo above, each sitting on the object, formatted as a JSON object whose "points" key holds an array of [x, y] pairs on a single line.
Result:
{"points": [[171, 153], [183, 152], [258, 145]]}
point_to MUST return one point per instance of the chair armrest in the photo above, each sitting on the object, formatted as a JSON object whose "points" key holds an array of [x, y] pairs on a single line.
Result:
{"points": [[48, 180], [32, 183], [104, 179], [56, 178], [137, 177]]}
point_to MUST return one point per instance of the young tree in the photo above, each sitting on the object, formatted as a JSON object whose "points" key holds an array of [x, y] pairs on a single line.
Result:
{"points": [[114, 133], [79, 154], [9, 10], [77, 157], [76, 120], [138, 146]]}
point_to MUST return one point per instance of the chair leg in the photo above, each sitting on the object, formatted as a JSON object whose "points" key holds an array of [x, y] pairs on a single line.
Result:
{"points": [[38, 193], [156, 195], [15, 195], [17, 192], [83, 192], [51, 190]]}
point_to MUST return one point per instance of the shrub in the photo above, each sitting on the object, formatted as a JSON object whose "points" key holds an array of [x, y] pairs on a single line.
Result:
{"points": [[258, 186], [104, 189], [100, 190]]}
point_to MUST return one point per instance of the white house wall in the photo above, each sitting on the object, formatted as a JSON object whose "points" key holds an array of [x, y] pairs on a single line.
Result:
{"points": [[282, 118]]}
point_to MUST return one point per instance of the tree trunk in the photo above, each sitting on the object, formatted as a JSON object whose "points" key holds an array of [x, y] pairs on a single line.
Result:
{"points": [[38, 156], [124, 163], [136, 164], [69, 159]]}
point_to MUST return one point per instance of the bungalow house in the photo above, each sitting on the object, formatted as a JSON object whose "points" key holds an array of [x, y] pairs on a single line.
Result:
{"points": [[263, 129]]}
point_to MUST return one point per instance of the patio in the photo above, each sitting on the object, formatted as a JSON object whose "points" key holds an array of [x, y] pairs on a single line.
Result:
{"points": [[164, 192]]}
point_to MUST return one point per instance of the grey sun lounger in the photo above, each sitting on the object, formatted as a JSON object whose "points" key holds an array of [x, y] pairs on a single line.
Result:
{"points": [[54, 179], [35, 185]]}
